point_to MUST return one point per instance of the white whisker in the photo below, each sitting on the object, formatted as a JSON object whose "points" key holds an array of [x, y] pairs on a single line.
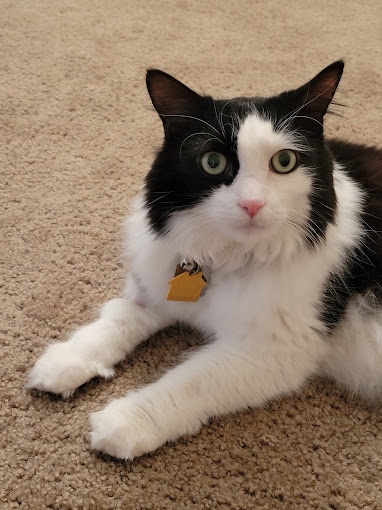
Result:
{"points": [[191, 117]]}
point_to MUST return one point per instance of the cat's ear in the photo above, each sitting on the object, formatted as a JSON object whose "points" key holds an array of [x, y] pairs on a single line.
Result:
{"points": [[175, 103], [316, 95]]}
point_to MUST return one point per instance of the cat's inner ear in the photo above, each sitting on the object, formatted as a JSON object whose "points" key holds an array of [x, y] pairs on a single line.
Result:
{"points": [[175, 103], [316, 95]]}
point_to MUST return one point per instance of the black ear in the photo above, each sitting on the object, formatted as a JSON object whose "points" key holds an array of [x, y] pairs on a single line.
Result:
{"points": [[174, 102], [316, 95]]}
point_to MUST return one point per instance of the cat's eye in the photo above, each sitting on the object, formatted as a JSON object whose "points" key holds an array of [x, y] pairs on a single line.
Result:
{"points": [[214, 163], [284, 161]]}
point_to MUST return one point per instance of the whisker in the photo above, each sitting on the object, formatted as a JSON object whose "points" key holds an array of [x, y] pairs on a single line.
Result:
{"points": [[194, 134], [191, 117], [159, 198], [308, 117], [218, 118], [291, 115]]}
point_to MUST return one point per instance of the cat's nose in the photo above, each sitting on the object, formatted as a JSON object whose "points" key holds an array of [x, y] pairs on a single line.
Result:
{"points": [[251, 207]]}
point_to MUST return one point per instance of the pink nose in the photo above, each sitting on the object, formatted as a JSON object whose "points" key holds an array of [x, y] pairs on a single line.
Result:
{"points": [[251, 206]]}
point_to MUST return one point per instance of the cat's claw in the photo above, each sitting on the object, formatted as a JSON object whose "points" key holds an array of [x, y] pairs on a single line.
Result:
{"points": [[62, 370], [67, 393]]}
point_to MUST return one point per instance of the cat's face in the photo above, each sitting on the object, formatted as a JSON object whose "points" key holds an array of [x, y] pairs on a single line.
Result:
{"points": [[253, 172]]}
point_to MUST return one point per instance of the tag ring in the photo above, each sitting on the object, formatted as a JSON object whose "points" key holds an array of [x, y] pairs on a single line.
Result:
{"points": [[191, 267]]}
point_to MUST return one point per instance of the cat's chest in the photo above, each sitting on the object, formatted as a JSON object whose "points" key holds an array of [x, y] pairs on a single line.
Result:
{"points": [[237, 299], [245, 298]]}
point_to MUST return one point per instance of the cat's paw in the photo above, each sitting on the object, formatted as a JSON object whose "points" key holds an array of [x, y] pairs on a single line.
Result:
{"points": [[61, 369], [125, 429]]}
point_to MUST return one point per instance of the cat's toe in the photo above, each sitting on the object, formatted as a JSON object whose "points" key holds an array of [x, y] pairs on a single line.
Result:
{"points": [[123, 430], [60, 370]]}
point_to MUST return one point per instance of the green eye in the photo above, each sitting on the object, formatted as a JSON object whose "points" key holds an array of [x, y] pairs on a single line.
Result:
{"points": [[214, 163], [284, 161]]}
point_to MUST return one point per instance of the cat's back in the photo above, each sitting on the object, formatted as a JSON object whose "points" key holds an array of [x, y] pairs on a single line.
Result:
{"points": [[363, 165]]}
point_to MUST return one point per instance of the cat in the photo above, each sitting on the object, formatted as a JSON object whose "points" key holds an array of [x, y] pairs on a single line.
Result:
{"points": [[274, 234]]}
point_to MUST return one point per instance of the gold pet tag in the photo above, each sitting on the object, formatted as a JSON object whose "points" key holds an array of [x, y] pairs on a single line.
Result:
{"points": [[186, 286]]}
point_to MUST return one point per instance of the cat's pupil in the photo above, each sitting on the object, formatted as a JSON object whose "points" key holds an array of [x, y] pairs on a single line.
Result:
{"points": [[284, 159], [213, 160]]}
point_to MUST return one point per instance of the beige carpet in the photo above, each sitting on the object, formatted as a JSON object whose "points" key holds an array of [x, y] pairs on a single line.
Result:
{"points": [[77, 134]]}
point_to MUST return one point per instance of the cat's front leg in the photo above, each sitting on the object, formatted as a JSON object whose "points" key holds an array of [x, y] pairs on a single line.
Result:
{"points": [[94, 349], [216, 380]]}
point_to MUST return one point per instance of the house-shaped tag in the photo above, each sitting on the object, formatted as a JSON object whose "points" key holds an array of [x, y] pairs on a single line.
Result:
{"points": [[186, 287]]}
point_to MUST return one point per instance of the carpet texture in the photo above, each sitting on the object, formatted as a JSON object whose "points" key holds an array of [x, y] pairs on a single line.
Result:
{"points": [[77, 135]]}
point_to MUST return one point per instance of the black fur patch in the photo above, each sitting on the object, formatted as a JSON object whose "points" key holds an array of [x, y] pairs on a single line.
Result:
{"points": [[177, 181], [363, 274]]}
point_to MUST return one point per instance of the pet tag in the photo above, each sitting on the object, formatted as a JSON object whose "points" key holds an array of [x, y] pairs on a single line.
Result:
{"points": [[186, 285]]}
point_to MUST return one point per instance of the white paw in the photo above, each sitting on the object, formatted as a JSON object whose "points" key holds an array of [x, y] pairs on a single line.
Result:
{"points": [[125, 429], [61, 369]]}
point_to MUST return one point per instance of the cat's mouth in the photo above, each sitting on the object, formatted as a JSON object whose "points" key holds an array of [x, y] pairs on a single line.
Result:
{"points": [[252, 225], [251, 230], [248, 229]]}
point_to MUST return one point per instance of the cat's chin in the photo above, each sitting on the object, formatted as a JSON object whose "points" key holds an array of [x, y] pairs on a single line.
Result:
{"points": [[252, 228], [245, 232]]}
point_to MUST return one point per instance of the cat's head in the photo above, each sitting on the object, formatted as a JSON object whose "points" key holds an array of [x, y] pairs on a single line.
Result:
{"points": [[244, 175]]}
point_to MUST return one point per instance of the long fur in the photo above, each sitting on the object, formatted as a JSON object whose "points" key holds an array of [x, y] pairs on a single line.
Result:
{"points": [[293, 291]]}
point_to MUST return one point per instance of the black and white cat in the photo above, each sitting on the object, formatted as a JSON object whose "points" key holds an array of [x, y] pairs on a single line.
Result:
{"points": [[286, 230]]}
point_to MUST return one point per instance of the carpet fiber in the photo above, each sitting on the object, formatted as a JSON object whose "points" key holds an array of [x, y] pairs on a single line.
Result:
{"points": [[77, 135]]}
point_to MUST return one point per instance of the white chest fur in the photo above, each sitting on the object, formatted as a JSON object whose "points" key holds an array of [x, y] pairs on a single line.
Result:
{"points": [[266, 299], [251, 298]]}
